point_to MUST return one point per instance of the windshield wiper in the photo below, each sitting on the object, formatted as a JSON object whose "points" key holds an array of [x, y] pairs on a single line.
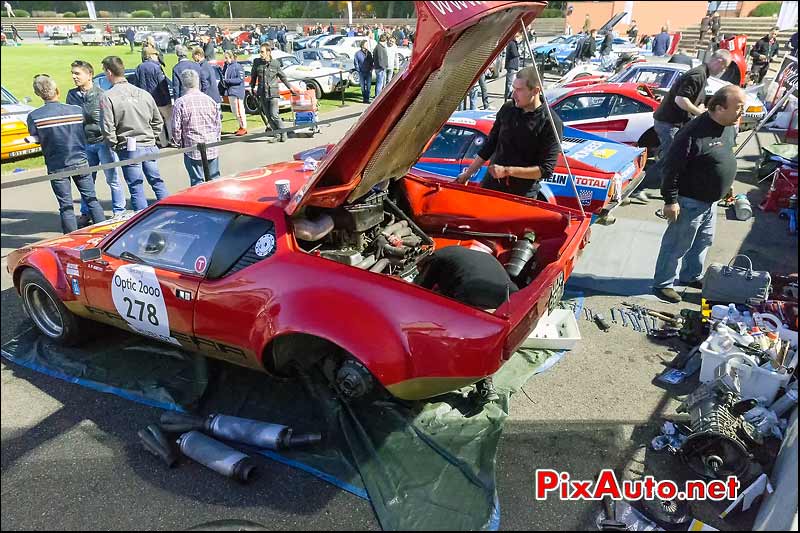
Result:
{"points": [[132, 257]]}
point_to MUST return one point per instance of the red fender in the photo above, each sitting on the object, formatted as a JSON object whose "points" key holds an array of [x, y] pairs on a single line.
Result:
{"points": [[47, 264]]}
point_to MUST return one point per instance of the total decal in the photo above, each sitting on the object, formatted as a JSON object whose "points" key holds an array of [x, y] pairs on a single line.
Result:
{"points": [[583, 181], [139, 300]]}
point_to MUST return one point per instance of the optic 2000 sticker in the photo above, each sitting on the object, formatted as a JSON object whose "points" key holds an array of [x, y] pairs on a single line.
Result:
{"points": [[138, 298]]}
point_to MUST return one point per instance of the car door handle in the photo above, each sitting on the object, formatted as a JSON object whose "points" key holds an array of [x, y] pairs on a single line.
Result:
{"points": [[183, 295]]}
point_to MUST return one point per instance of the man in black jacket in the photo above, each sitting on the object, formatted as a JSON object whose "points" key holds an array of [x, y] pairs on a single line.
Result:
{"points": [[512, 64], [380, 62], [522, 146], [588, 46], [762, 53], [607, 44], [698, 170], [264, 84]]}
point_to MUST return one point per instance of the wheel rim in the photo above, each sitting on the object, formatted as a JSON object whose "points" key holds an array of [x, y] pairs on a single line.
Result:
{"points": [[44, 311]]}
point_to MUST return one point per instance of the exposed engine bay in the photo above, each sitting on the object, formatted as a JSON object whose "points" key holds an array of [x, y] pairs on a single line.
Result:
{"points": [[375, 234], [372, 234]]}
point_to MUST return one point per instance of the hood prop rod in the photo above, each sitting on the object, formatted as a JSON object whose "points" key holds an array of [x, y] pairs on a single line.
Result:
{"points": [[550, 117]]}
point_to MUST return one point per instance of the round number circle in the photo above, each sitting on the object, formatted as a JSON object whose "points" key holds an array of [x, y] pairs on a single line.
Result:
{"points": [[264, 245]]}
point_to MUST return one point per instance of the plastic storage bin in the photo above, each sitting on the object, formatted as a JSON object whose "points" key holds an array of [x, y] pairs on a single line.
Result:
{"points": [[557, 330], [757, 382]]}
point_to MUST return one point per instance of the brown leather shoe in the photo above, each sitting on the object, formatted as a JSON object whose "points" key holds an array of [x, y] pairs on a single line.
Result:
{"points": [[668, 294]]}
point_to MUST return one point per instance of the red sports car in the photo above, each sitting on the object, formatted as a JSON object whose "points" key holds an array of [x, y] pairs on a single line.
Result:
{"points": [[324, 275], [620, 112]]}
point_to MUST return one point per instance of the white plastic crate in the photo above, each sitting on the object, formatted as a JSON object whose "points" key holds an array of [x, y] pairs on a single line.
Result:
{"points": [[557, 330]]}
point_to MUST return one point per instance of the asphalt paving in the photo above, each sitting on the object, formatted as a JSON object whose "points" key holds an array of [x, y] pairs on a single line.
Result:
{"points": [[71, 458]]}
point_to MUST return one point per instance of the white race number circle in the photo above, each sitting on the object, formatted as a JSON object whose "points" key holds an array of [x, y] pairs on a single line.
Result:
{"points": [[139, 300], [264, 245]]}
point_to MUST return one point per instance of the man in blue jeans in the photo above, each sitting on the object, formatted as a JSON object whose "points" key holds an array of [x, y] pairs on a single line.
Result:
{"points": [[87, 95], [131, 124], [58, 128], [195, 120], [363, 64], [683, 102], [698, 170]]}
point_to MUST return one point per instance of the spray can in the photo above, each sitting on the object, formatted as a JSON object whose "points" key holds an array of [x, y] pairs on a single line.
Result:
{"points": [[742, 207], [217, 456]]}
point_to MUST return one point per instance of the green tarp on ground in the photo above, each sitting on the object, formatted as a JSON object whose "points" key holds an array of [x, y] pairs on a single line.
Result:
{"points": [[425, 465]]}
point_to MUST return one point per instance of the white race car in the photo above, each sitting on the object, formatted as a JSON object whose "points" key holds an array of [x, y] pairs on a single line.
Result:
{"points": [[324, 80], [660, 77]]}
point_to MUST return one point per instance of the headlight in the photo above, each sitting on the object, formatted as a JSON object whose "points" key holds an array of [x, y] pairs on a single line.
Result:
{"points": [[755, 109]]}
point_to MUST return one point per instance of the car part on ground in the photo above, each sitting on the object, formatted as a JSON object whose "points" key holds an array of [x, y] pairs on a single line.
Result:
{"points": [[217, 456], [721, 442], [242, 430], [155, 442]]}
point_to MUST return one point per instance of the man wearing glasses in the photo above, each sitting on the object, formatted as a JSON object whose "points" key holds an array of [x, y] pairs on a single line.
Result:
{"points": [[58, 128]]}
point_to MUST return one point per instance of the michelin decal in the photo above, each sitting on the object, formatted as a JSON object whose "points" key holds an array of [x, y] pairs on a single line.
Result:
{"points": [[139, 300]]}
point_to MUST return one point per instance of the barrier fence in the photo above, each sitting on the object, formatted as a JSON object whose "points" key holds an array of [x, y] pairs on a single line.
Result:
{"points": [[202, 147]]}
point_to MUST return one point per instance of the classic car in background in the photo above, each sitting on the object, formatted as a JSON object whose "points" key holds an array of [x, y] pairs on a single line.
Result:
{"points": [[13, 117], [620, 112], [661, 76], [605, 172]]}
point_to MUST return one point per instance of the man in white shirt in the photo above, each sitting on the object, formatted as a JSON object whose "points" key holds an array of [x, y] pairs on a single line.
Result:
{"points": [[394, 63]]}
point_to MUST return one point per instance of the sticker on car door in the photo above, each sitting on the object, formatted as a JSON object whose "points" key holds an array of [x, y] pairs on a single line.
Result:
{"points": [[139, 300]]}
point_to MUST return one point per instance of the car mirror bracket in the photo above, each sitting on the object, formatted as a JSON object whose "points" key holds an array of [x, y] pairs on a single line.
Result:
{"points": [[91, 254]]}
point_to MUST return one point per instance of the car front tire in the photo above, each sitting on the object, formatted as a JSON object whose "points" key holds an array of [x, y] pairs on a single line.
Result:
{"points": [[48, 313]]}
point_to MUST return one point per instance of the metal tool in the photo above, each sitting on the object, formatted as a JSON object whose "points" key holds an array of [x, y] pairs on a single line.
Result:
{"points": [[610, 523], [646, 322], [601, 322], [622, 317], [613, 315]]}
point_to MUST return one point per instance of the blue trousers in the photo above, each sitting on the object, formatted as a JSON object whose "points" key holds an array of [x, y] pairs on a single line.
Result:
{"points": [[136, 173], [195, 169], [380, 81], [62, 187], [100, 153], [366, 84], [685, 244]]}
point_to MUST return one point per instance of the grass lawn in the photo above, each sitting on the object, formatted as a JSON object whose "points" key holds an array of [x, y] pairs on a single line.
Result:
{"points": [[20, 64]]}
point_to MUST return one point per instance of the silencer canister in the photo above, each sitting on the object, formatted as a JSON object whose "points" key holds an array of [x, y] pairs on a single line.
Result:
{"points": [[246, 431], [217, 456]]}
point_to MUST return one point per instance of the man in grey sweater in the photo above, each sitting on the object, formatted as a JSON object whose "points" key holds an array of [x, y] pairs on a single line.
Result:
{"points": [[131, 124]]}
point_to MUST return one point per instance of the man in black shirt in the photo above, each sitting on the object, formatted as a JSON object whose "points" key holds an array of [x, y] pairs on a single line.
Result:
{"points": [[588, 47], [264, 78], [762, 53], [683, 101], [698, 170], [522, 145]]}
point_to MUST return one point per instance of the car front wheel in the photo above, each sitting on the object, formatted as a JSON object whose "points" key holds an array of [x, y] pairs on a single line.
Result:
{"points": [[48, 313]]}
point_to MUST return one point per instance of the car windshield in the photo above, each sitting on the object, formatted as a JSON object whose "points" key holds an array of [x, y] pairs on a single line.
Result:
{"points": [[288, 61], [8, 98], [559, 39], [327, 54]]}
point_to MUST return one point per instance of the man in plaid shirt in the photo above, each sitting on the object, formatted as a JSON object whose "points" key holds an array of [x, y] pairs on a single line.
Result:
{"points": [[195, 119]]}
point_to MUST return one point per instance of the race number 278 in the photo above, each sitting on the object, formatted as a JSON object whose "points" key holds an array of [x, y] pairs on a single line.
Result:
{"points": [[152, 314]]}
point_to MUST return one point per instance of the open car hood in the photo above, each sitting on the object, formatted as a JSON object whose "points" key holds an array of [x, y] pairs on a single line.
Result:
{"points": [[613, 21], [455, 43]]}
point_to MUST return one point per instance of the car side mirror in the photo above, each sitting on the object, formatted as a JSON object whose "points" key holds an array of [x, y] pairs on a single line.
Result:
{"points": [[27, 100], [91, 254]]}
